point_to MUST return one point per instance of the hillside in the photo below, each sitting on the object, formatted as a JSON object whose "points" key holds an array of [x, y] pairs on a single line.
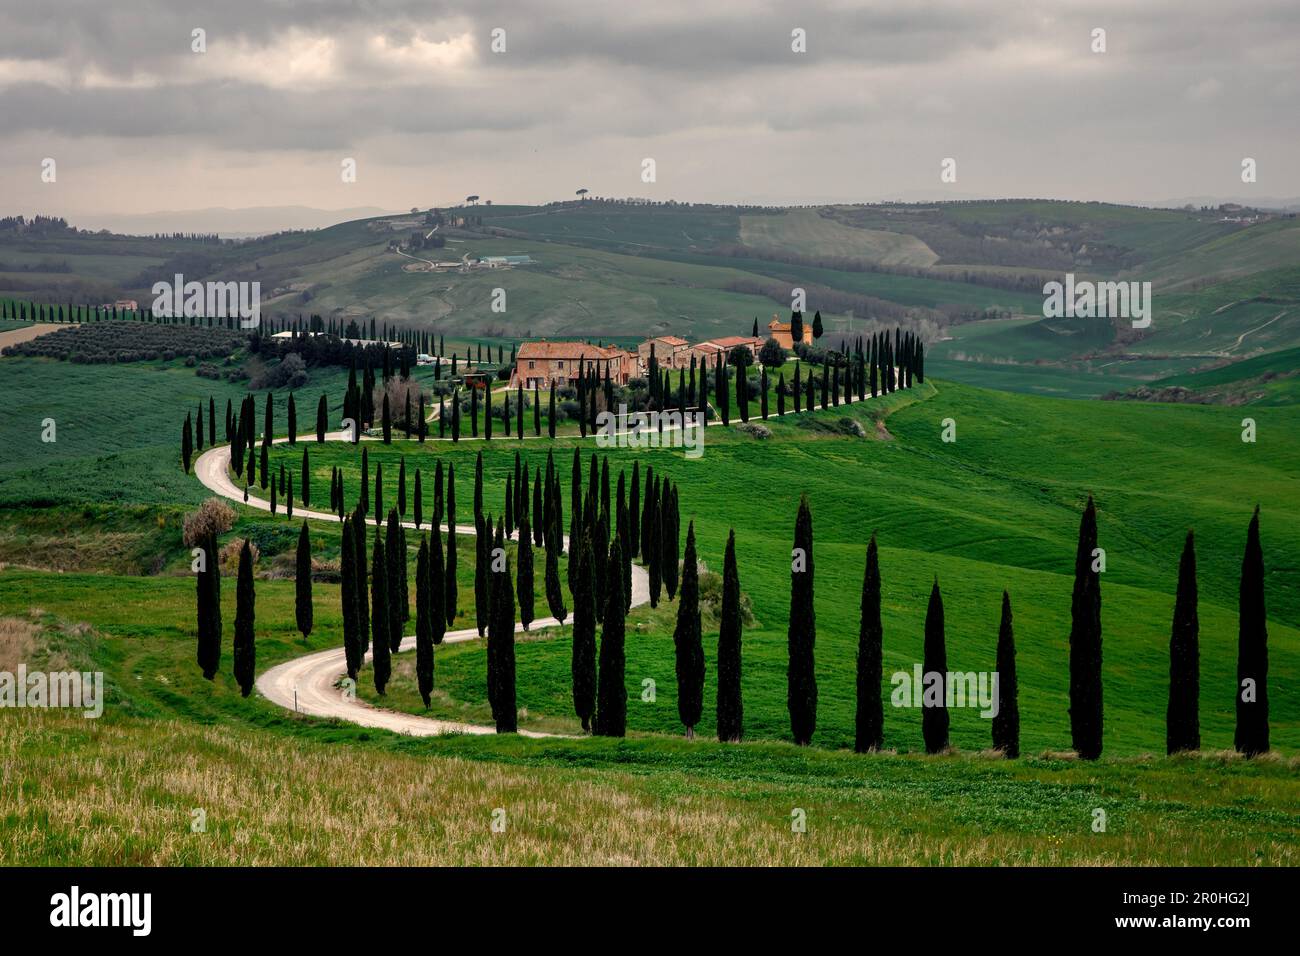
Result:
{"points": [[957, 272]]}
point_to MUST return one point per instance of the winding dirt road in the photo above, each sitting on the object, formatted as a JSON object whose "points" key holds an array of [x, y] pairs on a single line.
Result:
{"points": [[312, 684]]}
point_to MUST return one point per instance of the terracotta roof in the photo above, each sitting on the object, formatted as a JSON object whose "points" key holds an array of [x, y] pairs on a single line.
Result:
{"points": [[565, 350], [731, 341], [670, 339]]}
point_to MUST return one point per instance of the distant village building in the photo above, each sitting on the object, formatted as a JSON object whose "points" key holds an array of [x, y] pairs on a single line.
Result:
{"points": [[670, 351], [781, 332], [559, 363], [708, 351], [497, 262]]}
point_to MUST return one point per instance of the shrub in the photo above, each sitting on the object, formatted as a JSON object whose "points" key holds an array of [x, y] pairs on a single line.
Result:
{"points": [[214, 516]]}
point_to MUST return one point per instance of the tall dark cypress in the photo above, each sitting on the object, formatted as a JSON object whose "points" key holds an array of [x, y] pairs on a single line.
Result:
{"points": [[437, 588], [1006, 723], [302, 579], [583, 664], [322, 420], [293, 421], [1085, 643], [417, 502], [348, 600], [688, 643], [731, 713], [380, 660], [306, 479], [450, 594], [423, 623], [245, 613], [1182, 722], [209, 608], [482, 562], [363, 579], [871, 634], [401, 487], [634, 509], [212, 421], [1251, 737], [611, 697], [934, 711], [801, 681], [501, 646], [395, 551], [524, 580], [379, 493], [387, 422], [187, 443]]}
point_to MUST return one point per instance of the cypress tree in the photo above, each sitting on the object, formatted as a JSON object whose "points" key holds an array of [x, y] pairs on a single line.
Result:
{"points": [[422, 427], [634, 509], [306, 479], [1251, 737], [524, 582], [801, 695], [395, 551], [1183, 729], [322, 420], [583, 665], [302, 578], [187, 442], [482, 559], [245, 645], [501, 646], [450, 592], [510, 503], [293, 421], [417, 502], [379, 493], [401, 487], [538, 513], [423, 624], [387, 422], [731, 716], [1006, 722], [363, 586], [668, 538], [1085, 643], [550, 414], [934, 712], [687, 642], [611, 703], [209, 609], [437, 588], [870, 722], [797, 392], [364, 501], [379, 617], [780, 394], [348, 599], [198, 428]]}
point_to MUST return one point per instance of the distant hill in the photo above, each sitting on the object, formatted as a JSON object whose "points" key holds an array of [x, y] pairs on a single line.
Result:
{"points": [[968, 275], [227, 223]]}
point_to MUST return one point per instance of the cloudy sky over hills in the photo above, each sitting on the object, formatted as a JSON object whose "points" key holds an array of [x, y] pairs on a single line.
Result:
{"points": [[583, 92]]}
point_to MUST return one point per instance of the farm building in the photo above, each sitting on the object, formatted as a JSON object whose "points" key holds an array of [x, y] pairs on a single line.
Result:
{"points": [[545, 363]]}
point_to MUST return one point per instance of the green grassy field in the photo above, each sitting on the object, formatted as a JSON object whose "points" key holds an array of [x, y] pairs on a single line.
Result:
{"points": [[96, 572]]}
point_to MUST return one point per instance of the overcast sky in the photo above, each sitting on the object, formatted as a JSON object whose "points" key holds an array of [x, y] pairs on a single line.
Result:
{"points": [[583, 92]]}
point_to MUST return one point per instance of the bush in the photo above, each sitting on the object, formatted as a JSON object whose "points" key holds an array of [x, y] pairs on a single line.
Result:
{"points": [[214, 516], [230, 555], [755, 430]]}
